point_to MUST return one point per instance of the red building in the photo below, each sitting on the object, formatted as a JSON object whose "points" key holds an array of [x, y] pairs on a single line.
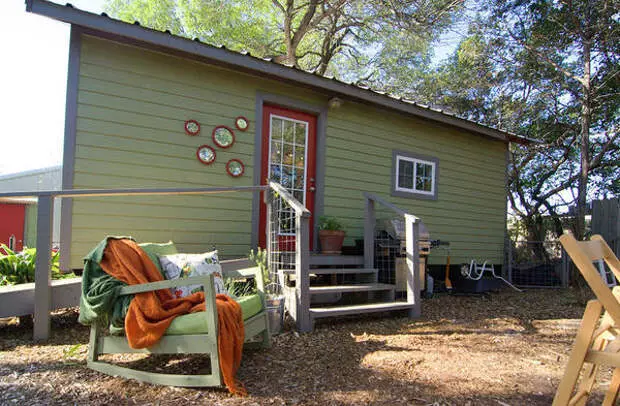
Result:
{"points": [[12, 224]]}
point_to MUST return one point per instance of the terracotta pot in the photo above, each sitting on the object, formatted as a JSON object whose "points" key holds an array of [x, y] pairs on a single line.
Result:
{"points": [[331, 241]]}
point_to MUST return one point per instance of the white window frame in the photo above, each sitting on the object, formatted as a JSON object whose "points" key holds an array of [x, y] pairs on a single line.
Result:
{"points": [[415, 159]]}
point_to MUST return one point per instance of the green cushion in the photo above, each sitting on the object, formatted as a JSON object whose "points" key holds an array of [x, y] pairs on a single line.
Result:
{"points": [[154, 249], [196, 323]]}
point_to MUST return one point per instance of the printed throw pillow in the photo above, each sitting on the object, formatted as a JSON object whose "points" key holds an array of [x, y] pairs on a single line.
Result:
{"points": [[186, 265]]}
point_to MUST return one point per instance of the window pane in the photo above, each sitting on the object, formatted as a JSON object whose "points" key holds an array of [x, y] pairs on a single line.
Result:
{"points": [[287, 157], [276, 129], [289, 131], [299, 157], [405, 174], [424, 177], [276, 152], [275, 173], [287, 177], [298, 177], [300, 134], [299, 195]]}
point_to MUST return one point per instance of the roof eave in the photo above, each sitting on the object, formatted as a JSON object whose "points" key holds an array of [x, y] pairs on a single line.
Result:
{"points": [[70, 15]]}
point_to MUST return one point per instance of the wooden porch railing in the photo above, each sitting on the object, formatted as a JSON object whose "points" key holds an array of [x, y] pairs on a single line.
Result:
{"points": [[45, 215], [412, 233]]}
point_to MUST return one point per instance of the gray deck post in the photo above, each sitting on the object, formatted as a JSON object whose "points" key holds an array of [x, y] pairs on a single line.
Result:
{"points": [[412, 233], [369, 233], [268, 199], [302, 277], [43, 274], [509, 267]]}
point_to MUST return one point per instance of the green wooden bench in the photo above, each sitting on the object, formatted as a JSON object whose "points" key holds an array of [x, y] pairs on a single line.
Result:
{"points": [[194, 333]]}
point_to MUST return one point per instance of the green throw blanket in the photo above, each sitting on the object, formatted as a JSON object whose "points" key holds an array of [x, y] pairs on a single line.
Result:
{"points": [[100, 302]]}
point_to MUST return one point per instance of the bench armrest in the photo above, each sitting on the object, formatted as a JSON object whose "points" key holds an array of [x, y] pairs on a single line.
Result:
{"points": [[206, 281], [209, 290]]}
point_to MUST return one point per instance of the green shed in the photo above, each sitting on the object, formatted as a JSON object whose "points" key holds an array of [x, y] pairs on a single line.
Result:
{"points": [[149, 109]]}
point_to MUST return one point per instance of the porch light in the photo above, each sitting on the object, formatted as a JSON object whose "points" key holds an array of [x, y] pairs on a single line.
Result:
{"points": [[334, 103]]}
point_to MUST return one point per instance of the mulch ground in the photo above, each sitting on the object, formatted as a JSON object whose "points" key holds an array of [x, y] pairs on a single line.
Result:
{"points": [[504, 349]]}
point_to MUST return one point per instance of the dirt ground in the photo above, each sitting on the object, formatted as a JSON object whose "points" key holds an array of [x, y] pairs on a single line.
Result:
{"points": [[503, 349]]}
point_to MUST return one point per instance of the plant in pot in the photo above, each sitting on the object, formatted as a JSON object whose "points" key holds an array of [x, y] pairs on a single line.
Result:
{"points": [[331, 235], [274, 299]]}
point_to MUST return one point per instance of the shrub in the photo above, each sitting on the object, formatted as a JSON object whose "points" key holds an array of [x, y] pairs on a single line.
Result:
{"points": [[19, 267], [330, 223]]}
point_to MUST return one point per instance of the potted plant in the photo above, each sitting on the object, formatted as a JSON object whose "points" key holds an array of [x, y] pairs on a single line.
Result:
{"points": [[274, 299], [331, 235]]}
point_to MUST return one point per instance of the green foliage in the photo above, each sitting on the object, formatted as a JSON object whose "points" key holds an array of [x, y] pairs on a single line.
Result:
{"points": [[238, 288], [522, 67], [19, 267], [353, 39], [259, 257], [330, 223]]}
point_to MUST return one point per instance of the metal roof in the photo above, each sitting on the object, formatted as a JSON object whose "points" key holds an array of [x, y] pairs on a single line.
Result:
{"points": [[264, 66]]}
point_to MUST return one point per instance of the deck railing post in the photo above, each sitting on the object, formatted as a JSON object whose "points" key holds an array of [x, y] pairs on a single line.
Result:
{"points": [[369, 233], [412, 234], [43, 274], [302, 277], [509, 267], [269, 234]]}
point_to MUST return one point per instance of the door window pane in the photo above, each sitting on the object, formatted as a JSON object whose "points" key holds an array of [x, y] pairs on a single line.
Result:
{"points": [[300, 133], [276, 152], [287, 155], [276, 128], [288, 132], [300, 159]]}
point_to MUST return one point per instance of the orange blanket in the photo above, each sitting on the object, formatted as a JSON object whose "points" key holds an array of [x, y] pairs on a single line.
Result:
{"points": [[150, 313]]}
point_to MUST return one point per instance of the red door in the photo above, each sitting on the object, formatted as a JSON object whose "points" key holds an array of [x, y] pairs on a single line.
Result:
{"points": [[12, 217], [289, 158]]}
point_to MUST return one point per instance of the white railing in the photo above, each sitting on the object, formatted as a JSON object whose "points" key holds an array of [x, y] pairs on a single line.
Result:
{"points": [[412, 233]]}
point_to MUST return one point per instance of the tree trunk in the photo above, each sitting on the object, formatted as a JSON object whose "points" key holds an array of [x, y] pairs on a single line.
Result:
{"points": [[586, 112]]}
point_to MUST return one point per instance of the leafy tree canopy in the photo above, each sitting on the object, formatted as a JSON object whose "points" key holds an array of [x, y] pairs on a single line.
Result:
{"points": [[353, 39]]}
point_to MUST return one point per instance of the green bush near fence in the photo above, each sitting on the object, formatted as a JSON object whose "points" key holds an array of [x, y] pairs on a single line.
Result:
{"points": [[19, 267]]}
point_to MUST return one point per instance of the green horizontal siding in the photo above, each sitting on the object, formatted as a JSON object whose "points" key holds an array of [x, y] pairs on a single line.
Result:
{"points": [[132, 104], [469, 211]]}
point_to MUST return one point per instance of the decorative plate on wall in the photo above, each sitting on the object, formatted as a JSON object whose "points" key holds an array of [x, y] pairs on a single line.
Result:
{"points": [[235, 168], [192, 127], [242, 123], [205, 154], [223, 136]]}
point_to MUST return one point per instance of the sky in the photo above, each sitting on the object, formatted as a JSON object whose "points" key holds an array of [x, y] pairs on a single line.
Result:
{"points": [[33, 77]]}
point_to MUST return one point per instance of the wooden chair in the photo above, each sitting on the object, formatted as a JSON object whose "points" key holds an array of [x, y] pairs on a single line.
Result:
{"points": [[195, 343], [597, 342]]}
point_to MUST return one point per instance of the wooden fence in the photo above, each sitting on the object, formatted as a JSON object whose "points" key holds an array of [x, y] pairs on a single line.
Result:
{"points": [[606, 221]]}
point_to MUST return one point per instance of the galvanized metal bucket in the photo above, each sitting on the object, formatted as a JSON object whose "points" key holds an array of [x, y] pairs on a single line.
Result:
{"points": [[275, 314]]}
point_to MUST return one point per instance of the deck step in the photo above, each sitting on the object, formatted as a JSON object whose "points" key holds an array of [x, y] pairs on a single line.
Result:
{"points": [[319, 312], [339, 260], [331, 271], [360, 287]]}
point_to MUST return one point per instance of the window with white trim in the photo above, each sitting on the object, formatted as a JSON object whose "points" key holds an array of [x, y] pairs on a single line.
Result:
{"points": [[414, 175]]}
